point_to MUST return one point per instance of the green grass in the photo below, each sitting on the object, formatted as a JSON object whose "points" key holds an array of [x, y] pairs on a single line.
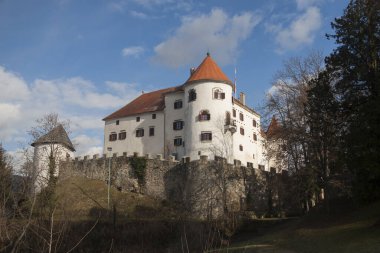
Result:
{"points": [[355, 232]]}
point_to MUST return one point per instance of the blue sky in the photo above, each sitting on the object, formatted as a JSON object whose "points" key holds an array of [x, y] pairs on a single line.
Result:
{"points": [[85, 59]]}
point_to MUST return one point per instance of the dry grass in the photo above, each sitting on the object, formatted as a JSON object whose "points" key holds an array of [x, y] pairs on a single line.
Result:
{"points": [[83, 198]]}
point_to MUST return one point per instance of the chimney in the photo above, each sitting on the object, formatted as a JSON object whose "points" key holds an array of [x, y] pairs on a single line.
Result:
{"points": [[192, 70], [242, 98]]}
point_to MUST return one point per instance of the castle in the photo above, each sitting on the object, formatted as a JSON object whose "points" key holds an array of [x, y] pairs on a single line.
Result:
{"points": [[199, 117]]}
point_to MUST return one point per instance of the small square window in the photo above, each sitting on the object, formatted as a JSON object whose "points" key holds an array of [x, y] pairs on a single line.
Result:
{"points": [[113, 137], [206, 136], [153, 116], [140, 132], [178, 104], [178, 125], [151, 131], [122, 135], [137, 119], [178, 141], [117, 122]]}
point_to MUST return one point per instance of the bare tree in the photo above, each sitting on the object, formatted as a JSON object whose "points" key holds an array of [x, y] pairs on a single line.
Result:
{"points": [[286, 101]]}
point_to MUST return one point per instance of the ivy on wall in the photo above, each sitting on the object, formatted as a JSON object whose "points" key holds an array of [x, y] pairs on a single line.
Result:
{"points": [[139, 168]]}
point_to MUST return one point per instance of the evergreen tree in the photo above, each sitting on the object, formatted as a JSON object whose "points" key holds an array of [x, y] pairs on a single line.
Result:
{"points": [[355, 69]]}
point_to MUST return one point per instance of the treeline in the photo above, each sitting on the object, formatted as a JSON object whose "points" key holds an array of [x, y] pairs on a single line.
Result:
{"points": [[326, 113]]}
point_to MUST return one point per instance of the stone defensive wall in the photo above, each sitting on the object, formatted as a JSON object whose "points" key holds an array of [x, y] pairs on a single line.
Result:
{"points": [[203, 188]]}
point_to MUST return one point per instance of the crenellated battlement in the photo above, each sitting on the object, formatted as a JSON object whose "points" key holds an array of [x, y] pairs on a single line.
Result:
{"points": [[196, 184]]}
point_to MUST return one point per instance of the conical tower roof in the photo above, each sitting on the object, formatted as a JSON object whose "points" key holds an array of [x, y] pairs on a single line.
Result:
{"points": [[208, 70], [57, 135]]}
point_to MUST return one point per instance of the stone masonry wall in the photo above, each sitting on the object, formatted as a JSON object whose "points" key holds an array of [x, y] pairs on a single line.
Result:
{"points": [[201, 188]]}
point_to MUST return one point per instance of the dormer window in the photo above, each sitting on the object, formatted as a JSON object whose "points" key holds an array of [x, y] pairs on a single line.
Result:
{"points": [[192, 95], [218, 93], [204, 115]]}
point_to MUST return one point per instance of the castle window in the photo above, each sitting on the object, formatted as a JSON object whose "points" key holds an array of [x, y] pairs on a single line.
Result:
{"points": [[254, 137], [218, 93], [192, 95], [241, 147], [178, 104], [241, 115], [234, 113], [206, 136], [137, 119], [249, 165], [117, 122], [122, 135], [140, 132], [177, 141], [242, 131], [151, 131], [253, 156], [113, 137], [254, 123], [228, 118], [178, 125], [261, 167], [153, 116], [204, 115]]}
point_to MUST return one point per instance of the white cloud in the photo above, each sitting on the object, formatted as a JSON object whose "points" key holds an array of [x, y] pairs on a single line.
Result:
{"points": [[138, 14], [304, 4], [13, 87], [75, 98], [300, 32], [215, 31], [86, 145], [132, 51]]}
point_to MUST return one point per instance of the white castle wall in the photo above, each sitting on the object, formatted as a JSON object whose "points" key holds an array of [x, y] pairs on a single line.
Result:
{"points": [[194, 127], [41, 162], [143, 145], [171, 115]]}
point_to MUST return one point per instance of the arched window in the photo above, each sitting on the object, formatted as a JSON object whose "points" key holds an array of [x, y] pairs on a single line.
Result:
{"points": [[217, 93], [204, 115], [192, 95]]}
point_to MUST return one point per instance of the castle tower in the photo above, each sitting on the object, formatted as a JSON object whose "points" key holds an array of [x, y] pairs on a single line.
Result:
{"points": [[51, 147], [207, 104]]}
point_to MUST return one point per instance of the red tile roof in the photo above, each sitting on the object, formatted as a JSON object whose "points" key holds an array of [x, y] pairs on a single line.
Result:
{"points": [[147, 102], [273, 128], [208, 70]]}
